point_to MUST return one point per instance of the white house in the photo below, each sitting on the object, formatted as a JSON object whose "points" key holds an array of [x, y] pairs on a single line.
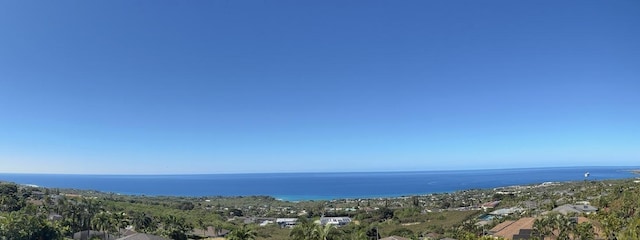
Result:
{"points": [[338, 221], [286, 222]]}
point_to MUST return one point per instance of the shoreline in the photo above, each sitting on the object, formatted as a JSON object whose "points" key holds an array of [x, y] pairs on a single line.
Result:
{"points": [[302, 187], [284, 199]]}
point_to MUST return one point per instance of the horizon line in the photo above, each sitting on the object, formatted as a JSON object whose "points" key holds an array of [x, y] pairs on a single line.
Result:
{"points": [[636, 167]]}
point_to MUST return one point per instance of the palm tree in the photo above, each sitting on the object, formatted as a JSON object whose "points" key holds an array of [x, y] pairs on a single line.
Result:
{"points": [[584, 231], [611, 224], [47, 204], [104, 221], [176, 227], [170, 222], [542, 227], [143, 222], [324, 232], [120, 221], [218, 226], [358, 234], [73, 216], [242, 233], [202, 224], [88, 209], [304, 230], [632, 231]]}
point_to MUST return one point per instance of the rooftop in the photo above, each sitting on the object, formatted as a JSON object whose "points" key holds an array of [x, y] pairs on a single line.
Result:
{"points": [[508, 229]]}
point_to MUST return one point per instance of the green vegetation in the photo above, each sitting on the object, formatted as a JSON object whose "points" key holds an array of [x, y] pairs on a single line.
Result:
{"points": [[37, 213]]}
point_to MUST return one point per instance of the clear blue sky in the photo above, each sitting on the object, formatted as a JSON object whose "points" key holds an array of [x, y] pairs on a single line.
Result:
{"points": [[288, 86]]}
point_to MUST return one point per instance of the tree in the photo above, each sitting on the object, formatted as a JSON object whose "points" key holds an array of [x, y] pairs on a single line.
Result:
{"points": [[176, 227], [236, 212], [143, 222], [9, 198], [104, 222], [358, 234], [324, 232], [186, 206], [372, 233], [242, 233], [19, 226], [218, 226], [584, 231], [304, 230], [402, 232], [541, 228], [632, 231], [120, 221], [202, 224], [611, 224], [88, 209], [385, 213], [561, 227]]}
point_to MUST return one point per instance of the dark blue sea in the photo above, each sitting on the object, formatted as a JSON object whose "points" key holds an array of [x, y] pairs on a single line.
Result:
{"points": [[317, 186]]}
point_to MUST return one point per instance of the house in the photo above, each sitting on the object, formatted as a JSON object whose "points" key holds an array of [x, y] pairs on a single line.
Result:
{"points": [[337, 221], [37, 194], [265, 223], [489, 205], [523, 234], [571, 208], [523, 228], [287, 222], [506, 211], [509, 229]]}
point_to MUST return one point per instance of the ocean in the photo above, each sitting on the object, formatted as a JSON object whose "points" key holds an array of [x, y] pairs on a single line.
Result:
{"points": [[317, 186]]}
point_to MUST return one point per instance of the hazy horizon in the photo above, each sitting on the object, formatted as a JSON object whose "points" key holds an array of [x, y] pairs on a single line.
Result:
{"points": [[159, 87], [586, 168]]}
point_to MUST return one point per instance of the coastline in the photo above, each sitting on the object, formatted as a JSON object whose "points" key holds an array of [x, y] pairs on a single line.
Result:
{"points": [[319, 186], [420, 211]]}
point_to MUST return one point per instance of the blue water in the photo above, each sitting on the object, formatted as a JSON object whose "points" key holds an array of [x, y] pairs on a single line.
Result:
{"points": [[316, 186]]}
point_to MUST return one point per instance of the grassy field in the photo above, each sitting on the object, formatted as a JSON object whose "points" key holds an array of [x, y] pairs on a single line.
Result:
{"points": [[444, 220]]}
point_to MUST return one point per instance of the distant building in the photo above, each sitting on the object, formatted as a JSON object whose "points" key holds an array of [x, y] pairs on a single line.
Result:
{"points": [[37, 194], [575, 208], [266, 222], [489, 205], [506, 211], [287, 222], [513, 229], [337, 221], [523, 228]]}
